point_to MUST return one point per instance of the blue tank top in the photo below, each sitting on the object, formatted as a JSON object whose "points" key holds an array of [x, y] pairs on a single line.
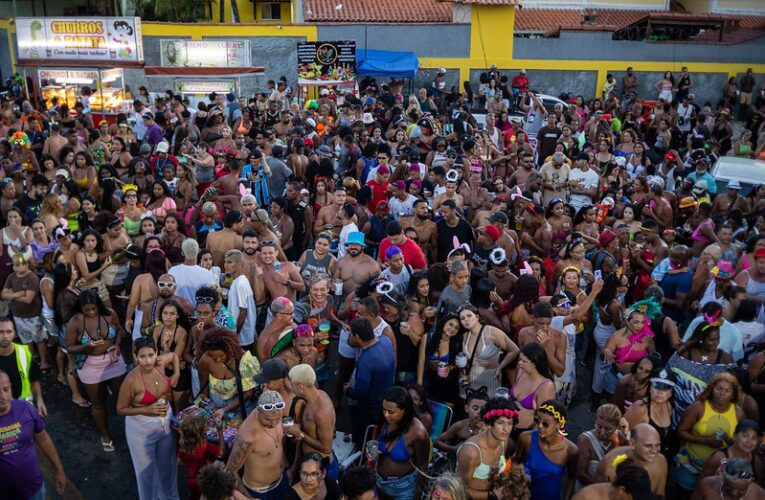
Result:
{"points": [[545, 475]]}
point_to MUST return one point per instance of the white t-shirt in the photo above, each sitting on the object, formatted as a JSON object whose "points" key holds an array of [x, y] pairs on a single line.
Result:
{"points": [[347, 229], [569, 372], [188, 279], [588, 180], [684, 112], [397, 206], [240, 296]]}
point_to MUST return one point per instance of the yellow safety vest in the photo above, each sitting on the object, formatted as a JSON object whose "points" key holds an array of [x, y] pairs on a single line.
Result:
{"points": [[24, 365]]}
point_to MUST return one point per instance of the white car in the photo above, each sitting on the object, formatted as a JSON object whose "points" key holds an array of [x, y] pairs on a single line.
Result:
{"points": [[749, 173]]}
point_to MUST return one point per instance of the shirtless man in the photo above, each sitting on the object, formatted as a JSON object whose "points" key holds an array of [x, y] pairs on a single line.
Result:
{"points": [[644, 450], [283, 126], [724, 203], [285, 282], [330, 215], [356, 268], [521, 175], [735, 481], [296, 160], [150, 309], [249, 205], [282, 312], [461, 431], [450, 194], [228, 186], [508, 238], [630, 479], [258, 448], [253, 267], [260, 223], [426, 230], [317, 424], [554, 341], [227, 238]]}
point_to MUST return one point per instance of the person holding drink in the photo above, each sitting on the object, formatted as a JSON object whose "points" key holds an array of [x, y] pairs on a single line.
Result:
{"points": [[143, 401]]}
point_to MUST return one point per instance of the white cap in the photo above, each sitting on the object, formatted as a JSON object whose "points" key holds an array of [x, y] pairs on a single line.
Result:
{"points": [[324, 92], [162, 147], [65, 173], [311, 122], [441, 71]]}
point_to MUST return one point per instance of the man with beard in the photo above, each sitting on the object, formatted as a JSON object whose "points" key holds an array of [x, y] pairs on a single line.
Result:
{"points": [[451, 226], [227, 238], [30, 203], [281, 279], [283, 126], [258, 448], [356, 268], [249, 205], [504, 280], [426, 229], [261, 224], [302, 218], [167, 291], [329, 217], [644, 450]]}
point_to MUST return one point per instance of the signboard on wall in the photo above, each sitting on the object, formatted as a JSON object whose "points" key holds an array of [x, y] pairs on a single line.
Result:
{"points": [[204, 87], [326, 63], [113, 39], [205, 53]]}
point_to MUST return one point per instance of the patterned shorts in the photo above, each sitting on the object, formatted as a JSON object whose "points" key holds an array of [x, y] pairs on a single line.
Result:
{"points": [[30, 329]]}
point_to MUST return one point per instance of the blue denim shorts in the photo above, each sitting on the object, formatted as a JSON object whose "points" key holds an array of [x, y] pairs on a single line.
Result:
{"points": [[398, 488]]}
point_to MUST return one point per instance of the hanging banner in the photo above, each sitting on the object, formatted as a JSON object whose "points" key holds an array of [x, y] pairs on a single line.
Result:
{"points": [[114, 39], [205, 53], [326, 63]]}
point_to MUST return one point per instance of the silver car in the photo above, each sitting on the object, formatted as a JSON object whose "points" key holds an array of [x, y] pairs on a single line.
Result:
{"points": [[749, 173]]}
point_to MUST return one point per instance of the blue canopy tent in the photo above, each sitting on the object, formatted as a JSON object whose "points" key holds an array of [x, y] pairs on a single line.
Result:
{"points": [[386, 63]]}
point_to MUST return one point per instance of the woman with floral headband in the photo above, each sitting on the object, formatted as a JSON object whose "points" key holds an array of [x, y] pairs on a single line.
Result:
{"points": [[487, 450], [547, 454]]}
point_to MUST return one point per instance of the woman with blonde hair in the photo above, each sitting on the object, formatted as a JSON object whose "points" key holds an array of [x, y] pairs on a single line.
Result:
{"points": [[447, 487], [51, 212]]}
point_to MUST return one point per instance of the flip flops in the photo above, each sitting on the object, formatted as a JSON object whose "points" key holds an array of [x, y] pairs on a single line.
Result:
{"points": [[82, 404], [107, 446]]}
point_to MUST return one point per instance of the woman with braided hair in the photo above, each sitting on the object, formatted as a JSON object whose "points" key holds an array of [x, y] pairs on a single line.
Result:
{"points": [[488, 450], [223, 362]]}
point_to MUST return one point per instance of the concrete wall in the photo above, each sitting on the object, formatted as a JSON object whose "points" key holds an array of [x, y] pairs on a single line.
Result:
{"points": [[707, 86], [551, 82], [278, 55], [429, 40], [6, 70], [598, 46]]}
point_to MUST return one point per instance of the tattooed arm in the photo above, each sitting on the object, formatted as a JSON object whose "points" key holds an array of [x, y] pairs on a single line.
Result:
{"points": [[236, 460]]}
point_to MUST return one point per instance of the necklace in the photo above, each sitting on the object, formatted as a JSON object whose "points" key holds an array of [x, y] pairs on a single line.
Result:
{"points": [[273, 438]]}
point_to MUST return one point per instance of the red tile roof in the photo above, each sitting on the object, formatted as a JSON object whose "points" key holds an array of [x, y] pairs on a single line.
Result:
{"points": [[486, 2], [543, 20], [382, 11]]}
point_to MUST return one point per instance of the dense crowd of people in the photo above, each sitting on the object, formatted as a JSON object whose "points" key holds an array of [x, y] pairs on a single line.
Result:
{"points": [[442, 273]]}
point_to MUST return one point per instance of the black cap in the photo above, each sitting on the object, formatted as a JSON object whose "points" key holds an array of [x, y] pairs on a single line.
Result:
{"points": [[662, 378], [746, 425], [272, 369], [232, 217], [499, 217]]}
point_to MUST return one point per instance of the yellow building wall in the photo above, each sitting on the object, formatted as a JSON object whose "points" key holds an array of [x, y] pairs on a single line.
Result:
{"points": [[491, 39], [210, 30], [249, 11], [742, 5], [613, 4]]}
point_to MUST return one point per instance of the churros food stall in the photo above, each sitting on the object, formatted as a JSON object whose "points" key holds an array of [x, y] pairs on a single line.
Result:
{"points": [[71, 54]]}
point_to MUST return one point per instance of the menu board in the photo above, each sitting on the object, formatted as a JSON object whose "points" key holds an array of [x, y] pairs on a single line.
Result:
{"points": [[326, 63]]}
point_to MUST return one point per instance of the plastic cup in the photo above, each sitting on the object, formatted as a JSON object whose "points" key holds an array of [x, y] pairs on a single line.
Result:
{"points": [[288, 422], [338, 287], [443, 370], [461, 360], [503, 393]]}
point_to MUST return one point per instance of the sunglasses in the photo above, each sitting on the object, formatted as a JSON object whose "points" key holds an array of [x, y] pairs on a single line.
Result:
{"points": [[205, 300], [165, 284], [272, 406], [539, 422]]}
